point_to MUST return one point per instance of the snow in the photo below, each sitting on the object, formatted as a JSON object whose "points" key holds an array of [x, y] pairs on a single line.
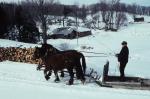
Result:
{"points": [[20, 80], [8, 43]]}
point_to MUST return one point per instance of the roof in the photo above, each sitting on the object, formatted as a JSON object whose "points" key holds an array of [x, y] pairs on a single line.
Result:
{"points": [[68, 30], [63, 30]]}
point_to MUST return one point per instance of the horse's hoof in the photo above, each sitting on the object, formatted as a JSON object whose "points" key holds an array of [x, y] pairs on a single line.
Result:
{"points": [[37, 69], [69, 83], [57, 80], [47, 77]]}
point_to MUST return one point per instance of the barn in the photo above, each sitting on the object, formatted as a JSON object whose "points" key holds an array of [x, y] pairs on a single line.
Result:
{"points": [[139, 19], [69, 33]]}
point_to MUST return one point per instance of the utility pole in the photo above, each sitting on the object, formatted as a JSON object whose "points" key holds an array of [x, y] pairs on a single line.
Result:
{"points": [[76, 15], [77, 36]]}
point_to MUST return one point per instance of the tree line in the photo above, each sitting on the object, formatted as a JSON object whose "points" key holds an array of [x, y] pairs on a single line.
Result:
{"points": [[18, 21]]}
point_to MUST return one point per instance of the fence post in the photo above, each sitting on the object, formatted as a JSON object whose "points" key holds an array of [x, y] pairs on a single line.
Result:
{"points": [[105, 72]]}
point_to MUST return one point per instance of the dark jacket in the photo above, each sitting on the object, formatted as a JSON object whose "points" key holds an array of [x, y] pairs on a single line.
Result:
{"points": [[123, 55]]}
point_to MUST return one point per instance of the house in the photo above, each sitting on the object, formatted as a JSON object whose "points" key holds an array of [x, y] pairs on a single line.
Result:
{"points": [[140, 19], [69, 33]]}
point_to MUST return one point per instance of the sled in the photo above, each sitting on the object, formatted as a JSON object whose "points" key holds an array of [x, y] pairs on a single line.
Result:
{"points": [[136, 83]]}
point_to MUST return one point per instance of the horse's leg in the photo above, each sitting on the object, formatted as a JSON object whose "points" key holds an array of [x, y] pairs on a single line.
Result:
{"points": [[45, 74], [39, 67], [77, 72], [62, 73], [80, 73], [70, 70], [49, 73], [77, 68], [56, 75]]}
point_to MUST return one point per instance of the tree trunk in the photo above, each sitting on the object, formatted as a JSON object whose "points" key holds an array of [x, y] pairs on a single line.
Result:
{"points": [[44, 28]]}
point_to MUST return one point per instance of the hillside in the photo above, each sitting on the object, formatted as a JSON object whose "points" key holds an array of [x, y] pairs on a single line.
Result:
{"points": [[22, 81]]}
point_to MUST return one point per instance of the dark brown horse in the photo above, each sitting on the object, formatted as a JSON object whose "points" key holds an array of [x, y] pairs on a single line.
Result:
{"points": [[63, 60], [41, 52], [47, 48]]}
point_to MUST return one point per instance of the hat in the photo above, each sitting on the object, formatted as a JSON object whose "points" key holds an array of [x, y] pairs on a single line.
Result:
{"points": [[124, 43]]}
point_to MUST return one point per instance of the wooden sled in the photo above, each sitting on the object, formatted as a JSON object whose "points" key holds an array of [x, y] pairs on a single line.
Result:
{"points": [[136, 83]]}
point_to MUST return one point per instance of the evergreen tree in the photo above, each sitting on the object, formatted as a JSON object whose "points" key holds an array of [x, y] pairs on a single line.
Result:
{"points": [[3, 22], [26, 26]]}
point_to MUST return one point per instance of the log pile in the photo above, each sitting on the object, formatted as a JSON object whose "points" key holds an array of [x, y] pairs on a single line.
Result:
{"points": [[15, 54]]}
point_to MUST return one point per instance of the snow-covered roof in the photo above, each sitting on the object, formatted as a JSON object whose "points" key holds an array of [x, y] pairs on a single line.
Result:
{"points": [[68, 30], [63, 30]]}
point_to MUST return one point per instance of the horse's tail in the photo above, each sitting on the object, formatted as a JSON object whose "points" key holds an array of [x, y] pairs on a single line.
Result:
{"points": [[83, 63]]}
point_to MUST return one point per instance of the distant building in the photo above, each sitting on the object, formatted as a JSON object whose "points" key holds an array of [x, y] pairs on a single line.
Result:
{"points": [[140, 19], [69, 33]]}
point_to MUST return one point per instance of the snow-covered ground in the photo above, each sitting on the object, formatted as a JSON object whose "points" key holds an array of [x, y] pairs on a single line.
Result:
{"points": [[22, 81]]}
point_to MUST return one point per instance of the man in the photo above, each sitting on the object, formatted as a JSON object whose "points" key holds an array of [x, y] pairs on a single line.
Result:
{"points": [[123, 59]]}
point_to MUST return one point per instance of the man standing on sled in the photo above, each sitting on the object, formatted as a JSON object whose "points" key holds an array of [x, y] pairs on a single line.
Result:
{"points": [[123, 59]]}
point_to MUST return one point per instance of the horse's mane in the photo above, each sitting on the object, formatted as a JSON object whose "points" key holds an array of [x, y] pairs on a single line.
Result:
{"points": [[48, 49]]}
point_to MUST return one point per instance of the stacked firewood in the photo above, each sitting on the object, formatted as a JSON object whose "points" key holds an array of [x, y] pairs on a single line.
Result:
{"points": [[18, 55]]}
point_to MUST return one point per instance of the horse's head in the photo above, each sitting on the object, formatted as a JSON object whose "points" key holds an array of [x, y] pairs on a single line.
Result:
{"points": [[46, 45], [37, 53]]}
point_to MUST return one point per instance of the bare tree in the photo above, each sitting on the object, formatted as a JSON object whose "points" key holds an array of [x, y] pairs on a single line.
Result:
{"points": [[104, 9], [110, 13], [76, 10], [83, 13], [120, 19], [41, 14], [108, 10], [96, 20]]}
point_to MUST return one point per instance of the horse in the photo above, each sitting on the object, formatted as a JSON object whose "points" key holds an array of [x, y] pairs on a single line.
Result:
{"points": [[63, 60], [43, 50], [40, 52], [48, 48]]}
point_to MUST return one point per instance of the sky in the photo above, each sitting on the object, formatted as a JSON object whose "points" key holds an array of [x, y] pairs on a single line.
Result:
{"points": [[140, 2]]}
